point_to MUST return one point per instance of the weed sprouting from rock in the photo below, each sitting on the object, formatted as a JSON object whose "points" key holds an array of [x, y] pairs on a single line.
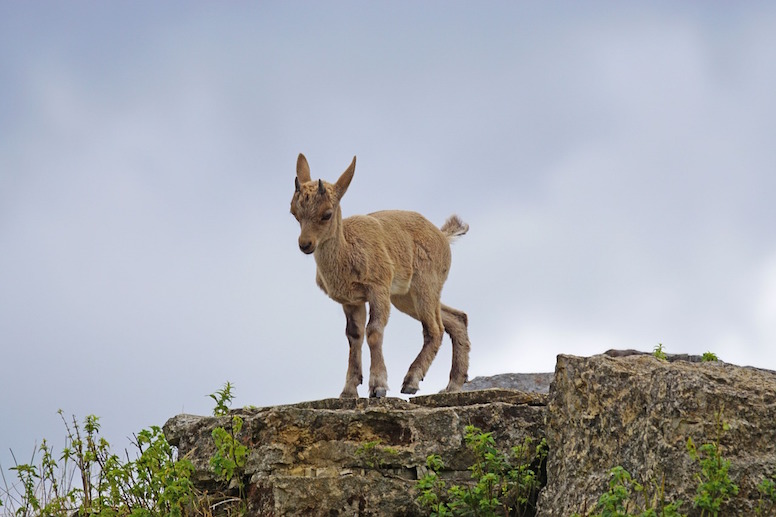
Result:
{"points": [[501, 484], [715, 487], [708, 357], [374, 455], [659, 353], [627, 497]]}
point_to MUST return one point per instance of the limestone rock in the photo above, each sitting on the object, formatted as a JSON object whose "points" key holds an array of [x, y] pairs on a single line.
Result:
{"points": [[355, 457], [525, 382], [637, 411], [621, 408]]}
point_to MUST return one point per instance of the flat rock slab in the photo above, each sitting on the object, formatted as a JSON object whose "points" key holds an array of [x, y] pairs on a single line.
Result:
{"points": [[355, 456], [485, 396], [525, 382]]}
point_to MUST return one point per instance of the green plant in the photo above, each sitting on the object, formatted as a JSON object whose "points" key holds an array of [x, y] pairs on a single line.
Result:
{"points": [[432, 489], [766, 505], [502, 484], [89, 479], [228, 461], [223, 399], [709, 357], [27, 475], [155, 483], [373, 455], [621, 499], [614, 502], [159, 476], [229, 458], [715, 487], [659, 353]]}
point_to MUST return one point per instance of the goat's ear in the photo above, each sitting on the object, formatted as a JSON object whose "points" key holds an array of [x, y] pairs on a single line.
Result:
{"points": [[302, 169], [344, 181]]}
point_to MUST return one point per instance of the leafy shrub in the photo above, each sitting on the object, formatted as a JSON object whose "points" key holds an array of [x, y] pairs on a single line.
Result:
{"points": [[230, 455], [715, 487], [89, 479], [229, 458], [155, 483], [502, 485], [766, 505], [621, 500]]}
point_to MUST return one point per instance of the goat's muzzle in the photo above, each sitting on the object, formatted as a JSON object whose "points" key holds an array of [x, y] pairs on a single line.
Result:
{"points": [[307, 247]]}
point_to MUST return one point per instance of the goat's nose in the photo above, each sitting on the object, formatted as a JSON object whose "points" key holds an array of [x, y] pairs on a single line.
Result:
{"points": [[306, 247]]}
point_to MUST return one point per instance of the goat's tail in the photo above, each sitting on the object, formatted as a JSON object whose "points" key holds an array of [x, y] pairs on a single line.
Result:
{"points": [[454, 228]]}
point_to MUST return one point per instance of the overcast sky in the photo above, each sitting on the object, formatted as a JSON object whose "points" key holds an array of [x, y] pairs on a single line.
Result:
{"points": [[616, 163]]}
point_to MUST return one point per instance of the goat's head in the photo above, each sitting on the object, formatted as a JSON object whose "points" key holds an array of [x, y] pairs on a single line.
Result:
{"points": [[316, 205]]}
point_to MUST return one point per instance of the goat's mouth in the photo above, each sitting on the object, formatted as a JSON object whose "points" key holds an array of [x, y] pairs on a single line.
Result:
{"points": [[307, 247]]}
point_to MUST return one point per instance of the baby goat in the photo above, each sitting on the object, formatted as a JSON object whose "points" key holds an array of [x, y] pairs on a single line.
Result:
{"points": [[385, 257]]}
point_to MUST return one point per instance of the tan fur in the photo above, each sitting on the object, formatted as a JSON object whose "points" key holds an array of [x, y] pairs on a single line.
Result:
{"points": [[383, 258]]}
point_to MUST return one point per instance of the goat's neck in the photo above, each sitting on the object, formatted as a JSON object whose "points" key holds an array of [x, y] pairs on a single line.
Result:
{"points": [[334, 250]]}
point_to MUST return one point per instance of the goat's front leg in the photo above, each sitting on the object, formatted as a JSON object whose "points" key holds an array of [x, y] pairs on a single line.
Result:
{"points": [[379, 308], [355, 316]]}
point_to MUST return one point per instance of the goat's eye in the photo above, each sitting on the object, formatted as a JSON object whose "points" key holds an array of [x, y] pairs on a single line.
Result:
{"points": [[326, 216]]}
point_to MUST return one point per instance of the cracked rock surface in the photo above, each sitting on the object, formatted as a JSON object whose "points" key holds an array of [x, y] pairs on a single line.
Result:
{"points": [[355, 456], [621, 408], [636, 411]]}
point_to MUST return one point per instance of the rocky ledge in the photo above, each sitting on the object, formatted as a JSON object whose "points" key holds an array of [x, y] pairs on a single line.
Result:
{"points": [[362, 457], [355, 457]]}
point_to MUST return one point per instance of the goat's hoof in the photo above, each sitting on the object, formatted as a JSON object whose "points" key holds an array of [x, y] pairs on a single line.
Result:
{"points": [[451, 389], [377, 393], [348, 395], [409, 390]]}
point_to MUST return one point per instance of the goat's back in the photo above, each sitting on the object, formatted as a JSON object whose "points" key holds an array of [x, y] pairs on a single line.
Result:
{"points": [[404, 223], [411, 240]]}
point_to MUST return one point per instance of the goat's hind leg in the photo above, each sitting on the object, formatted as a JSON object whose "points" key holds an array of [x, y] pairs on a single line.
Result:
{"points": [[355, 316], [456, 323], [428, 313]]}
